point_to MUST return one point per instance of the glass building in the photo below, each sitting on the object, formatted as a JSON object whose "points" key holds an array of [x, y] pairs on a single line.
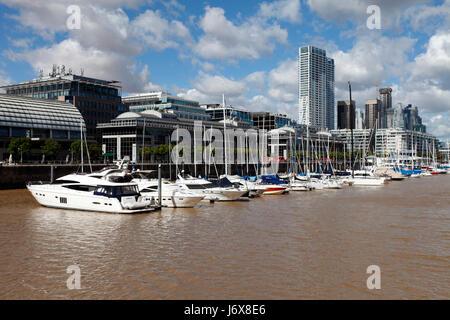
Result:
{"points": [[97, 100], [37, 119], [160, 101], [270, 121], [316, 88], [216, 113]]}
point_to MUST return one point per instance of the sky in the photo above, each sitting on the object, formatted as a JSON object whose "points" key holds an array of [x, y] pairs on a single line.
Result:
{"points": [[246, 50]]}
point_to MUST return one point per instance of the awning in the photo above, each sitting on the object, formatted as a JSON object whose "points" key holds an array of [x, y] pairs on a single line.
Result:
{"points": [[108, 154]]}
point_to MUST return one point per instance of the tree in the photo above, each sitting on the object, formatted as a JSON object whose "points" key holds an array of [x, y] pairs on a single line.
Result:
{"points": [[75, 147], [147, 152], [50, 148], [19, 146], [95, 150]]}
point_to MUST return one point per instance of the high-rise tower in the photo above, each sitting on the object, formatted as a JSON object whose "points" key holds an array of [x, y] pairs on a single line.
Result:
{"points": [[316, 88]]}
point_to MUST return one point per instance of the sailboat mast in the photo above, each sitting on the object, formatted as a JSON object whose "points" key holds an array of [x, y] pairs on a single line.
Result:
{"points": [[81, 145], [224, 134], [351, 128]]}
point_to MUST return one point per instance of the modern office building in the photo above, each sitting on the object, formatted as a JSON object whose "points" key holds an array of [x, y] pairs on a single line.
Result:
{"points": [[216, 112], [97, 100], [412, 119], [444, 149], [270, 121], [405, 118], [385, 105], [401, 141], [316, 88], [346, 115], [125, 135], [38, 120], [359, 119], [372, 115], [182, 108], [363, 139]]}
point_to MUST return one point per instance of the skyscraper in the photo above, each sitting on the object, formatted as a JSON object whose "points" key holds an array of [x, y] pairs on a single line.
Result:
{"points": [[373, 113], [385, 106], [346, 115], [359, 119], [316, 88]]}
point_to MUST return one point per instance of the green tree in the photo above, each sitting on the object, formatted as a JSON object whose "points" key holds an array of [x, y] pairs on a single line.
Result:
{"points": [[95, 151], [147, 152], [50, 148], [19, 146], [75, 147]]}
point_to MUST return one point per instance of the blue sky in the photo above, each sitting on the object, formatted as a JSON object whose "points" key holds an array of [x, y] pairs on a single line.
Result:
{"points": [[244, 49]]}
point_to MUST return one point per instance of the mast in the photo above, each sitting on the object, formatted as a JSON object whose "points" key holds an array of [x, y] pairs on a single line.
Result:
{"points": [[81, 145], [351, 128], [143, 145], [224, 134]]}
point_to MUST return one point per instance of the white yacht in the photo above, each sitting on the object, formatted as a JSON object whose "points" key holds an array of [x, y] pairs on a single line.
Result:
{"points": [[173, 195], [366, 178], [251, 187], [81, 192], [209, 190], [331, 184]]}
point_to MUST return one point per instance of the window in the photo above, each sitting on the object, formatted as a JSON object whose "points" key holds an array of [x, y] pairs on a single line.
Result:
{"points": [[78, 187]]}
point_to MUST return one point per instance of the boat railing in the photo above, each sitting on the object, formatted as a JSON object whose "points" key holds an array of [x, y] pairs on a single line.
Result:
{"points": [[30, 183]]}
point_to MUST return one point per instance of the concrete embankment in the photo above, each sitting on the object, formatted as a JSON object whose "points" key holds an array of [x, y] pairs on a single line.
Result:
{"points": [[16, 176]]}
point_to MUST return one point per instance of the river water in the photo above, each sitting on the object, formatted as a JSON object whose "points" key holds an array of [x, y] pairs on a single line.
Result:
{"points": [[314, 245]]}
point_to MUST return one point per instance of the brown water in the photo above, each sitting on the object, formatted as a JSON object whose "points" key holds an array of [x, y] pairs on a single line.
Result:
{"points": [[314, 245]]}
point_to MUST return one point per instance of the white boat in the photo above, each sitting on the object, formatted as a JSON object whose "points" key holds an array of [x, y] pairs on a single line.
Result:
{"points": [[332, 184], [81, 192], [210, 191], [172, 194], [251, 187], [297, 185]]}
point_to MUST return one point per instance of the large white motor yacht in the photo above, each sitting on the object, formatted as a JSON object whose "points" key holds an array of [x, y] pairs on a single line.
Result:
{"points": [[81, 192]]}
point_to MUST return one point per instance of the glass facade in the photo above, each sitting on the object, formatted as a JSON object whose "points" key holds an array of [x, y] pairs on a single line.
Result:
{"points": [[98, 100], [182, 108], [316, 88], [36, 118]]}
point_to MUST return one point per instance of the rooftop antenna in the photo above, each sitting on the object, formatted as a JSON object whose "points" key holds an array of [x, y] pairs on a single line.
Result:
{"points": [[53, 73], [41, 73], [82, 72]]}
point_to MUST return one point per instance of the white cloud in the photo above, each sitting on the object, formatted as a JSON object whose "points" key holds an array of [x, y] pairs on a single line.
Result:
{"points": [[426, 18], [283, 82], [157, 32], [215, 86], [96, 63], [434, 64], [223, 40], [287, 10], [4, 80], [372, 59], [356, 10], [257, 80]]}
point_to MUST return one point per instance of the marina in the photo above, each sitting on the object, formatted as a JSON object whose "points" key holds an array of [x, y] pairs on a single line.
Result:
{"points": [[303, 245]]}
